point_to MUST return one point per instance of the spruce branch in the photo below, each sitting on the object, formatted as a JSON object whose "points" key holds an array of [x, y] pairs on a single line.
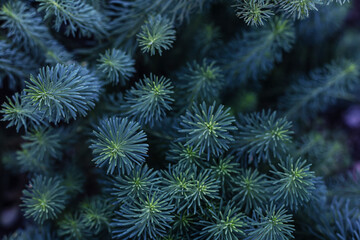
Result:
{"points": [[293, 183], [184, 155], [28, 32], [146, 218], [156, 35], [299, 8], [22, 23], [254, 12], [29, 161], [116, 66], [43, 143], [180, 10], [63, 92], [262, 136], [200, 81], [20, 113], [77, 16], [44, 198], [73, 179], [184, 225], [15, 64], [118, 145], [309, 96], [208, 128], [254, 54], [149, 100], [271, 223], [134, 185], [176, 182], [225, 224], [97, 213], [72, 226], [224, 169], [251, 190], [203, 190]]}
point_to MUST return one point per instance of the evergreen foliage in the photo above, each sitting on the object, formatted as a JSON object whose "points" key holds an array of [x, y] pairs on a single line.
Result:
{"points": [[44, 198], [223, 169], [20, 113], [271, 223], [144, 218], [254, 54], [208, 128], [151, 119], [183, 225], [293, 183], [14, 64], [177, 181], [200, 82], [184, 155], [116, 66], [27, 31], [344, 223], [135, 185], [262, 136], [29, 161], [73, 180], [118, 145], [256, 12], [228, 224], [328, 152], [299, 9], [156, 35], [203, 189], [149, 100], [129, 17], [45, 142], [251, 190], [77, 16], [97, 213], [63, 92], [72, 226], [321, 89]]}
